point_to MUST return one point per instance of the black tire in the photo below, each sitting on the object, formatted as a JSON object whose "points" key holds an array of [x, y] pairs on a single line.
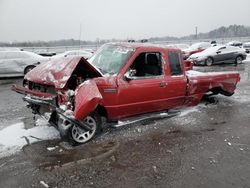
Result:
{"points": [[238, 60], [209, 61], [85, 136], [28, 69]]}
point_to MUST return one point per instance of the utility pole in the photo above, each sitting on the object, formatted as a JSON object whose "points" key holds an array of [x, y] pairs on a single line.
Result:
{"points": [[196, 32], [80, 33]]}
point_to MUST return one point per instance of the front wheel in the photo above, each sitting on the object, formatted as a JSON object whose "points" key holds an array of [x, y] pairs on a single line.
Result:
{"points": [[78, 135], [209, 61]]}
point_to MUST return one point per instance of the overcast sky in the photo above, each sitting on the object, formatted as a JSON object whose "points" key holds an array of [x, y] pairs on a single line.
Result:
{"points": [[29, 20]]}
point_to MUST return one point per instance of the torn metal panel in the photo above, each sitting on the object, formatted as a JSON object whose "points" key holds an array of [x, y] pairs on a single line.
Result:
{"points": [[87, 98], [58, 71]]}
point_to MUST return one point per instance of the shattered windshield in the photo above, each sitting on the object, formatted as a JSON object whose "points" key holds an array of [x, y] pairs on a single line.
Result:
{"points": [[110, 58]]}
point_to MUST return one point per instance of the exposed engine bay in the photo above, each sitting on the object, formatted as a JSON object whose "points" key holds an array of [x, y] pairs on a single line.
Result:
{"points": [[63, 97]]}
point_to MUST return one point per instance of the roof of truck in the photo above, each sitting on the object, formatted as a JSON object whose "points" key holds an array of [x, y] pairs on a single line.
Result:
{"points": [[142, 45]]}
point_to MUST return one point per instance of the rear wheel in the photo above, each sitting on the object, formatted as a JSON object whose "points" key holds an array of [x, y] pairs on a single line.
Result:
{"points": [[78, 135], [238, 60], [209, 61]]}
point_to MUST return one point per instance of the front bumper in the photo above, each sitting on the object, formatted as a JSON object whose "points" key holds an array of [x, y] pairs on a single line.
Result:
{"points": [[26, 91], [37, 99], [197, 62]]}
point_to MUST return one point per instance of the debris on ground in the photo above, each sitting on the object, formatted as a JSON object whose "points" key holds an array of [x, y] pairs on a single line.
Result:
{"points": [[155, 169], [52, 148], [44, 184]]}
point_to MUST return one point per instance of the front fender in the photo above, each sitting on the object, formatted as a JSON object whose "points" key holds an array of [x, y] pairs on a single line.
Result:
{"points": [[87, 97]]}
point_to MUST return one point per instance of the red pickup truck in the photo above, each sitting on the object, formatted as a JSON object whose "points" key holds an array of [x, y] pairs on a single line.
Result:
{"points": [[121, 81]]}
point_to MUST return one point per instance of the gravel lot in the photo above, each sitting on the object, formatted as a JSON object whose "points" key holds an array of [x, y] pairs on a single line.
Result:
{"points": [[205, 146]]}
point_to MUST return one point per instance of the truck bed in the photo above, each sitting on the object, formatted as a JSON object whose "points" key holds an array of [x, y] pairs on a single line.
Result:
{"points": [[217, 82]]}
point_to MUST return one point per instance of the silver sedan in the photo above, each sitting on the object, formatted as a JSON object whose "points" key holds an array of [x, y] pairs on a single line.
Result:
{"points": [[219, 54]]}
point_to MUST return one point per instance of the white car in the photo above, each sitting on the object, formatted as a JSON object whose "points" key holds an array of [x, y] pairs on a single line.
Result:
{"points": [[85, 54], [195, 48], [246, 46], [235, 43], [178, 46], [18, 63]]}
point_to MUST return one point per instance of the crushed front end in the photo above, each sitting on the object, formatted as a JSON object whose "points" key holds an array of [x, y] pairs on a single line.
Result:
{"points": [[51, 89]]}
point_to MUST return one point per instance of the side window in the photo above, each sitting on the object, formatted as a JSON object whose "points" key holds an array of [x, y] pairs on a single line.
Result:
{"points": [[175, 63], [225, 50], [147, 64]]}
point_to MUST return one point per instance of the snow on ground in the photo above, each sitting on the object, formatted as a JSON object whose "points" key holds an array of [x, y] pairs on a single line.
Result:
{"points": [[247, 58], [187, 115], [241, 96], [188, 110], [14, 137]]}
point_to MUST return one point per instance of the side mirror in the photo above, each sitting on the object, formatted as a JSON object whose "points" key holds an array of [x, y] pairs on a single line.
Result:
{"points": [[130, 74]]}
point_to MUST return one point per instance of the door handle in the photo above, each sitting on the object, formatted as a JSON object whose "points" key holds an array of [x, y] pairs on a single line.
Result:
{"points": [[163, 84]]}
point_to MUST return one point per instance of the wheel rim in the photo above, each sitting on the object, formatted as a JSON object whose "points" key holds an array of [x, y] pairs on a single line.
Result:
{"points": [[238, 60], [80, 135], [209, 62]]}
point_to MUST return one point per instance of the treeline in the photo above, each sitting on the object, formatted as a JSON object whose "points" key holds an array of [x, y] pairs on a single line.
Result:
{"points": [[222, 32], [64, 42]]}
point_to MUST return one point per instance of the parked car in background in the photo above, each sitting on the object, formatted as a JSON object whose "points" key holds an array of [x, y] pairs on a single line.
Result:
{"points": [[195, 48], [218, 54], [83, 53], [45, 52], [89, 50], [178, 46], [18, 63], [9, 49], [235, 43], [246, 46]]}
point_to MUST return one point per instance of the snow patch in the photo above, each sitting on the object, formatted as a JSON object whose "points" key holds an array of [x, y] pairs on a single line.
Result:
{"points": [[188, 111], [194, 73], [14, 137], [52, 148]]}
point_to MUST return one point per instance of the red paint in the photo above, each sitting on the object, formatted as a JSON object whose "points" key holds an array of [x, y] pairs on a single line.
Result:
{"points": [[25, 91], [87, 98], [196, 51], [57, 72]]}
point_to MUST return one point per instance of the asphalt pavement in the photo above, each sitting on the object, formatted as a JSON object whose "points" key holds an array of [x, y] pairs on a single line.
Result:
{"points": [[205, 146]]}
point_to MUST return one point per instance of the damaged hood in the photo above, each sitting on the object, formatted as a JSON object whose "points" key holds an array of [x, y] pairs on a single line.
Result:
{"points": [[58, 71]]}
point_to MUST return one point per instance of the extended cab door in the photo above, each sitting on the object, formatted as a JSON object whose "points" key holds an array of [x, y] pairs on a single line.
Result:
{"points": [[175, 79], [143, 90]]}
